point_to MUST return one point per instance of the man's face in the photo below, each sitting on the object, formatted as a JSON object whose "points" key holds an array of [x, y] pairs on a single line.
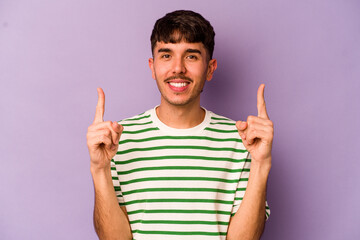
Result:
{"points": [[180, 71]]}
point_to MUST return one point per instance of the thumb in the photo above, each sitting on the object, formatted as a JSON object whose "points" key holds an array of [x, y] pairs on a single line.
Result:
{"points": [[117, 127], [241, 126], [116, 137]]}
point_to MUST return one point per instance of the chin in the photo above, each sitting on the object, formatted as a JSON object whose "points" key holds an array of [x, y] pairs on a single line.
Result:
{"points": [[178, 102]]}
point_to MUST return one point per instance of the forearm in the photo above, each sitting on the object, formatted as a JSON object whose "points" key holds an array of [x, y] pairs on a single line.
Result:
{"points": [[109, 219], [249, 220]]}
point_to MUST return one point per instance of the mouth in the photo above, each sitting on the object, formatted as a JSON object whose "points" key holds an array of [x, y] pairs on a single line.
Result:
{"points": [[178, 85]]}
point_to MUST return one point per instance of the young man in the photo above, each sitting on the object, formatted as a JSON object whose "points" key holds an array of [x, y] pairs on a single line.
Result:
{"points": [[179, 171]]}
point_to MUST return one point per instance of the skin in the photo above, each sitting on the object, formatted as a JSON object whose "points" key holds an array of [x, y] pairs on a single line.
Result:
{"points": [[110, 221], [187, 63], [257, 134]]}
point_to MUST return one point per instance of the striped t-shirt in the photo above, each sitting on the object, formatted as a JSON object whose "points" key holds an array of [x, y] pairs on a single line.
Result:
{"points": [[180, 183]]}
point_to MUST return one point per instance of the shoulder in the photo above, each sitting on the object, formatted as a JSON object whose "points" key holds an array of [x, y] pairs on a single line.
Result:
{"points": [[140, 125], [219, 120], [217, 117], [221, 124], [136, 119], [223, 131]]}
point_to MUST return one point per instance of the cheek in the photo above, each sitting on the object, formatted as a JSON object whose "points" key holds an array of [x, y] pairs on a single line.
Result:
{"points": [[197, 70], [160, 70], [154, 75]]}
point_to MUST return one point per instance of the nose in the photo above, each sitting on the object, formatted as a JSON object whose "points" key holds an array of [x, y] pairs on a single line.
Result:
{"points": [[179, 66]]}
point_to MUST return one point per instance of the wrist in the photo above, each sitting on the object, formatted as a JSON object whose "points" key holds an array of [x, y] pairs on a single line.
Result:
{"points": [[261, 167], [100, 170], [102, 178]]}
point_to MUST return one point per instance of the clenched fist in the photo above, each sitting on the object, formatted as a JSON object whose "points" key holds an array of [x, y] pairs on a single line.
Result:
{"points": [[102, 137]]}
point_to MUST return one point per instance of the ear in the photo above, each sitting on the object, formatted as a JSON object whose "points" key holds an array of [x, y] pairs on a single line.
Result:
{"points": [[151, 65], [211, 69]]}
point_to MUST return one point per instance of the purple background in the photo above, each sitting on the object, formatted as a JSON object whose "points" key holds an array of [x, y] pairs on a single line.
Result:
{"points": [[53, 55]]}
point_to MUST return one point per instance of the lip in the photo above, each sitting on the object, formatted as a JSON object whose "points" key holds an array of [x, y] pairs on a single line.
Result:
{"points": [[178, 89], [178, 81]]}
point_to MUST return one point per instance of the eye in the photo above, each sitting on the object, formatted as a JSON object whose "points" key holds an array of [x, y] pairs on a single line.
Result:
{"points": [[192, 57], [166, 56]]}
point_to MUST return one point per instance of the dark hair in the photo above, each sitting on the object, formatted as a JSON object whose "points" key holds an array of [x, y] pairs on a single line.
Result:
{"points": [[183, 25]]}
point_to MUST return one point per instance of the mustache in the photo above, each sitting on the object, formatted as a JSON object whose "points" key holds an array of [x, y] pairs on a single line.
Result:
{"points": [[178, 77]]}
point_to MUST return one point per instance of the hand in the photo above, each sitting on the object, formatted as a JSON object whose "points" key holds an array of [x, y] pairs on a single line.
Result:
{"points": [[257, 132], [102, 137]]}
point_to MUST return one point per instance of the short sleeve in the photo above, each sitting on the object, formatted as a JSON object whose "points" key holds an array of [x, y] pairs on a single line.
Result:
{"points": [[241, 188], [116, 183]]}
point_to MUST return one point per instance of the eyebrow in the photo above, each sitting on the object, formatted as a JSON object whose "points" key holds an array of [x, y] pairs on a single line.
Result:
{"points": [[189, 50], [164, 50]]}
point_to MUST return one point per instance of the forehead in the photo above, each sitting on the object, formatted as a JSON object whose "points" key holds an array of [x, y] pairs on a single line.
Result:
{"points": [[179, 47]]}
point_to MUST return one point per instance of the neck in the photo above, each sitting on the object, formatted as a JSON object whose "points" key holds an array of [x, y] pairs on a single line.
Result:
{"points": [[181, 117]]}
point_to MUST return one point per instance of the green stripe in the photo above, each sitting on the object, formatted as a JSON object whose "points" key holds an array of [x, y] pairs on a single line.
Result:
{"points": [[141, 130], [181, 147], [179, 190], [183, 168], [182, 157], [178, 222], [136, 124], [178, 200], [180, 233], [178, 211], [216, 118], [181, 179], [222, 123], [136, 118], [220, 130], [181, 138], [117, 188]]}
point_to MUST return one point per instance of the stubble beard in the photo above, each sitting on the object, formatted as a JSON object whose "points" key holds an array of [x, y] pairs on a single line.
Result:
{"points": [[180, 103]]}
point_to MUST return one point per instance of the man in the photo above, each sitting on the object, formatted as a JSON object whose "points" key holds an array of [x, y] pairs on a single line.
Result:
{"points": [[179, 171]]}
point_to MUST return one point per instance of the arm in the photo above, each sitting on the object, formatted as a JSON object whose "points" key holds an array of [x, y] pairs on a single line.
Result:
{"points": [[257, 135], [249, 220], [110, 220]]}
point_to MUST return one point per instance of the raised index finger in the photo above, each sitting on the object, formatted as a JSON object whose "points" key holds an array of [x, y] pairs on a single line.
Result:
{"points": [[100, 107], [261, 102]]}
